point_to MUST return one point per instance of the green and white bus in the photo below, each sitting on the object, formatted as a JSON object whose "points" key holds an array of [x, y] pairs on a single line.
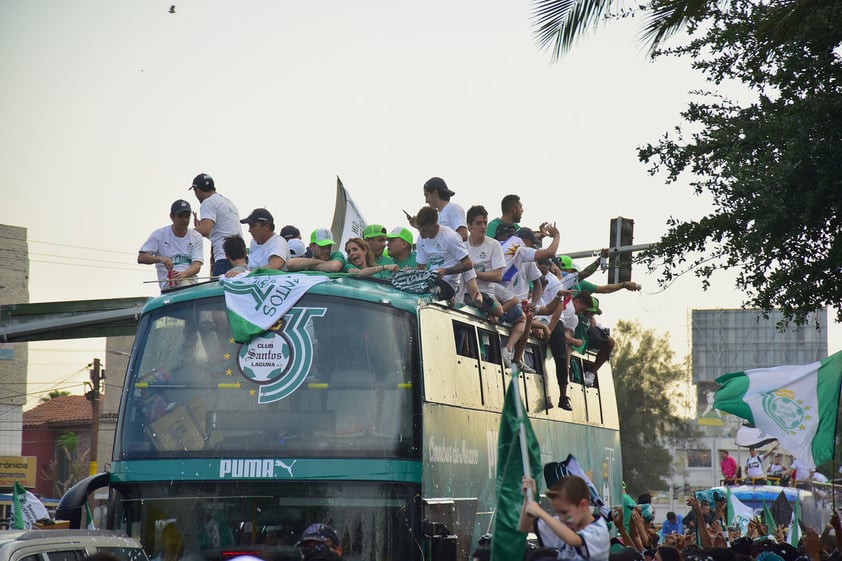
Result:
{"points": [[368, 408]]}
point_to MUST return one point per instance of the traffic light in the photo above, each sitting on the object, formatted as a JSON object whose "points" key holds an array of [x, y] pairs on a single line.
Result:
{"points": [[620, 263]]}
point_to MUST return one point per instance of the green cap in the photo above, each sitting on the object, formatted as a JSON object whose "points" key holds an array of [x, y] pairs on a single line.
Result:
{"points": [[374, 231], [566, 261], [594, 309], [401, 233]]}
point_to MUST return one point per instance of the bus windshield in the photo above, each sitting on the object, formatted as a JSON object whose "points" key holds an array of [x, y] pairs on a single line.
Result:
{"points": [[192, 391]]}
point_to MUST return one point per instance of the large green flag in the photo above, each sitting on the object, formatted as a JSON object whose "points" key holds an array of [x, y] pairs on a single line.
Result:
{"points": [[795, 404], [507, 542]]}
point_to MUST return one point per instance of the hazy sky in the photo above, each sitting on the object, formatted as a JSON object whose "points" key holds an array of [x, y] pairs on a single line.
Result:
{"points": [[110, 109]]}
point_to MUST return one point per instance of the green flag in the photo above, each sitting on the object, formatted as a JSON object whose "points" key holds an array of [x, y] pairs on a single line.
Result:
{"points": [[795, 404], [768, 519], [507, 542]]}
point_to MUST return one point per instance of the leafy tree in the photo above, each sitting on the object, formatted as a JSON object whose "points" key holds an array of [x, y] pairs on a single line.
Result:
{"points": [[646, 379], [69, 466], [558, 23], [773, 166], [54, 394]]}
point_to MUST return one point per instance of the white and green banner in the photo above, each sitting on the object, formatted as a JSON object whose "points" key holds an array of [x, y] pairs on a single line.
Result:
{"points": [[27, 509], [259, 300], [795, 404]]}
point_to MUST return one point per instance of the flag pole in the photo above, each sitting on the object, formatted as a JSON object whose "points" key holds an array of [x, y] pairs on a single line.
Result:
{"points": [[524, 453]]}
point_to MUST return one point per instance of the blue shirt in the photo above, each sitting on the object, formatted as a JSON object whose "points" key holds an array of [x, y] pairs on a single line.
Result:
{"points": [[676, 527]]}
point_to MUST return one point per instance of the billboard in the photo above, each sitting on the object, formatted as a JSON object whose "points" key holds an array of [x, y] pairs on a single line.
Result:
{"points": [[734, 340], [17, 468]]}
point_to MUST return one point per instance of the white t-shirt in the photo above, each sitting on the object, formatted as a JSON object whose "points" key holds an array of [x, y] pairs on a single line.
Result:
{"points": [[802, 472], [552, 288], [452, 216], [443, 251], [569, 317], [226, 222], [487, 256], [259, 254], [754, 466], [596, 541], [182, 250], [520, 267]]}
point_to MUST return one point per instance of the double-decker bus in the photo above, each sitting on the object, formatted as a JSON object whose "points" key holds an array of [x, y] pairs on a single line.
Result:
{"points": [[370, 409]]}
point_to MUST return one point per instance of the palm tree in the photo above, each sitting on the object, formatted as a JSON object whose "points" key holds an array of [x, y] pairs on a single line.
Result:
{"points": [[558, 23]]}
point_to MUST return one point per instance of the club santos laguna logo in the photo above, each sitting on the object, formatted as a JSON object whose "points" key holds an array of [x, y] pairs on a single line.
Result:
{"points": [[280, 360], [788, 412]]}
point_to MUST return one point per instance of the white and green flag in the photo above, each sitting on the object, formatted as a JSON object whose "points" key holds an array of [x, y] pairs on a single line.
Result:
{"points": [[260, 300], [795, 404], [738, 513], [348, 221], [27, 509]]}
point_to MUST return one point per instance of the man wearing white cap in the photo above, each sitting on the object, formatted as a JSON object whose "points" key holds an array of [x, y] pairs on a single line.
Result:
{"points": [[324, 259]]}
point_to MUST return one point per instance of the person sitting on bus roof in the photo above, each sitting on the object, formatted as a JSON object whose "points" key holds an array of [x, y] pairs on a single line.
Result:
{"points": [[361, 261], [175, 250], [324, 259], [442, 250], [235, 252], [319, 542], [267, 249], [400, 248], [375, 237], [487, 257]]}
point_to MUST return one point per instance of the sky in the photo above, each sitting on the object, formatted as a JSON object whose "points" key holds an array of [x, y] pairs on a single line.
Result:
{"points": [[110, 109]]}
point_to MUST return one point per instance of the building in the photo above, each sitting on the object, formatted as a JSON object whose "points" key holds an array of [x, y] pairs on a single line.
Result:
{"points": [[58, 433], [14, 289]]}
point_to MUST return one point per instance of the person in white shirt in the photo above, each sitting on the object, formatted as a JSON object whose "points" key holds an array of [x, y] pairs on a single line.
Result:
{"points": [[487, 256], [800, 473], [440, 249], [437, 195], [267, 249], [175, 250], [217, 219], [754, 466]]}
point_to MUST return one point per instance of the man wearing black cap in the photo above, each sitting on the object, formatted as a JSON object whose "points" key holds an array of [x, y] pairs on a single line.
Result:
{"points": [[437, 195], [175, 250], [219, 219], [319, 542], [267, 250]]}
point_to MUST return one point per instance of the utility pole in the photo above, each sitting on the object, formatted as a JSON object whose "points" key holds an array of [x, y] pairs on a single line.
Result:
{"points": [[97, 375]]}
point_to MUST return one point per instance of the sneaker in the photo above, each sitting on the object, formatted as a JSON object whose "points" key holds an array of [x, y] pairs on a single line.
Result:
{"points": [[526, 369], [564, 403], [589, 378], [507, 357]]}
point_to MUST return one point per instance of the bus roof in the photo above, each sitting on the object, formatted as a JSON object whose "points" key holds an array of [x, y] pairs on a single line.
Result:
{"points": [[340, 284]]}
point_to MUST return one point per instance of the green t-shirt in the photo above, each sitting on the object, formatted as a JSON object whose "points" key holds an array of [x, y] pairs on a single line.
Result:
{"points": [[492, 227], [384, 260], [581, 331], [408, 263]]}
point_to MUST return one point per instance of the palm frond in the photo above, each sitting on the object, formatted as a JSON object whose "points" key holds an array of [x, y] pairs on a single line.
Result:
{"points": [[560, 22], [668, 17]]}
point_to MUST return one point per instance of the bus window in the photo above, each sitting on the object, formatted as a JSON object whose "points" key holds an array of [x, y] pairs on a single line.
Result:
{"points": [[466, 343], [188, 394]]}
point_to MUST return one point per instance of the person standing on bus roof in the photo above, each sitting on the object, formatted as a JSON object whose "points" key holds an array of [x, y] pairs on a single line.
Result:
{"points": [[755, 474], [267, 249], [512, 214], [319, 542], [437, 195], [175, 250], [728, 467], [219, 219]]}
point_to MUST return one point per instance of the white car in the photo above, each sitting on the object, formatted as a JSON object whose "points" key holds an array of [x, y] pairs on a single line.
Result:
{"points": [[67, 545]]}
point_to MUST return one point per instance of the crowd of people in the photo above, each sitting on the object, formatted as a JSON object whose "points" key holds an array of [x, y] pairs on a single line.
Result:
{"points": [[494, 266], [572, 530]]}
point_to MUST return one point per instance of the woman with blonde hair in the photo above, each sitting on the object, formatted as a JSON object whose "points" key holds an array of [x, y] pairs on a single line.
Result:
{"points": [[361, 261]]}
